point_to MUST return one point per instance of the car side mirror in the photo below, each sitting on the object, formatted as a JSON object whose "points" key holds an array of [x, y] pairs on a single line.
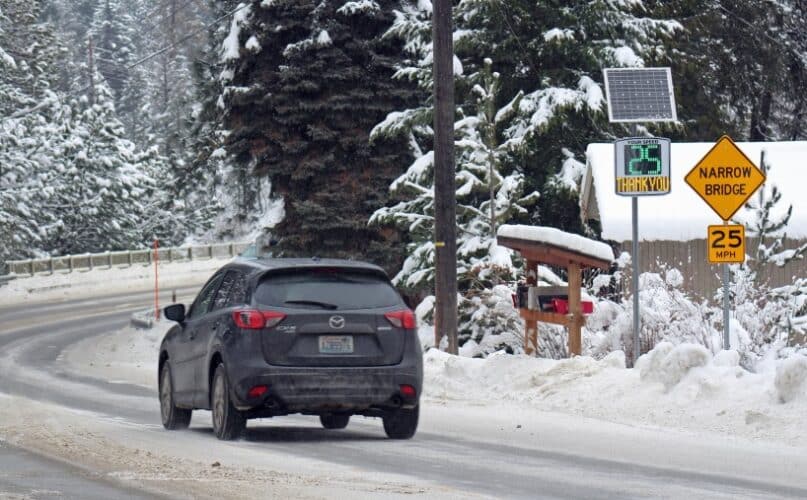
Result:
{"points": [[175, 312]]}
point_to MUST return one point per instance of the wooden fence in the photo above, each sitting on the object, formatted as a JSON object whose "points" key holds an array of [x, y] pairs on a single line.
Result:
{"points": [[110, 260], [701, 278]]}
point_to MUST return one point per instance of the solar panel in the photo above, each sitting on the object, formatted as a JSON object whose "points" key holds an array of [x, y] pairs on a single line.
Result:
{"points": [[640, 95]]}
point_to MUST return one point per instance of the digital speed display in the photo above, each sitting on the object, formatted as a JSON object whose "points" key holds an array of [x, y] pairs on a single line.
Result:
{"points": [[643, 159], [642, 166]]}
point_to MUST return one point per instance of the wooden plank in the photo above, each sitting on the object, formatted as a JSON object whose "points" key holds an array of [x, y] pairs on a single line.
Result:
{"points": [[544, 317], [530, 324]]}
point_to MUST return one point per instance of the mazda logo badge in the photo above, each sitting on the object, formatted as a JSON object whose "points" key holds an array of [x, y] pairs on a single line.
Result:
{"points": [[337, 322]]}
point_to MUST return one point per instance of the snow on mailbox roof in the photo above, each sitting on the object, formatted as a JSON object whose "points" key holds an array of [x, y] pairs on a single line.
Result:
{"points": [[558, 238], [682, 215]]}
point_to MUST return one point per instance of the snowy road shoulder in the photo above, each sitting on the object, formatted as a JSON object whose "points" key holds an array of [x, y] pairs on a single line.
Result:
{"points": [[128, 355], [683, 388]]}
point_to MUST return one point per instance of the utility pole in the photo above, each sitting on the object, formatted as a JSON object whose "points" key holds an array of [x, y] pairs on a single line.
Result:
{"points": [[91, 69], [445, 194]]}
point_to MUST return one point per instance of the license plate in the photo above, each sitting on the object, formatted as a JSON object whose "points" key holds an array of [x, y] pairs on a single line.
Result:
{"points": [[336, 344]]}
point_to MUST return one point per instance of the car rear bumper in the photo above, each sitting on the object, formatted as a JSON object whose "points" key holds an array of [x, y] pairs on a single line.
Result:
{"points": [[329, 388]]}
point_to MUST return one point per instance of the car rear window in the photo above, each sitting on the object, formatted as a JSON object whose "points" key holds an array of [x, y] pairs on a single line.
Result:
{"points": [[326, 289]]}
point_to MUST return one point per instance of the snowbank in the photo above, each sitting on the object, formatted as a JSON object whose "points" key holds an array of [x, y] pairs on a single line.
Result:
{"points": [[683, 387], [101, 281], [791, 378], [126, 356]]}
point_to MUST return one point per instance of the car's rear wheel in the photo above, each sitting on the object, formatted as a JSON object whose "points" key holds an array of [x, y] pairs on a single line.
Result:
{"points": [[228, 422], [401, 423], [334, 420], [173, 418]]}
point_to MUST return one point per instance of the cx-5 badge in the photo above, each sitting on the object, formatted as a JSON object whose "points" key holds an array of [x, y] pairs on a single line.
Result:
{"points": [[337, 322]]}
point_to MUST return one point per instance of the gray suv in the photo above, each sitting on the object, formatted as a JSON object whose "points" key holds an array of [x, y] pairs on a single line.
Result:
{"points": [[272, 337]]}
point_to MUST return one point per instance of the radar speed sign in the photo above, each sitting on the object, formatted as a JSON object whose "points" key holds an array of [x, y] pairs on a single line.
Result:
{"points": [[642, 166]]}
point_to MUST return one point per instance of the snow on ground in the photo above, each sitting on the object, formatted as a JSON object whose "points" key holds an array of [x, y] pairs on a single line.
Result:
{"points": [[102, 281], [682, 387], [128, 355], [186, 466]]}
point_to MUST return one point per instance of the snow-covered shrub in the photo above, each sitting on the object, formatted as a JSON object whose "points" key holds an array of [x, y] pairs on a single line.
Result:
{"points": [[667, 314], [756, 317], [768, 318], [489, 320], [791, 378]]}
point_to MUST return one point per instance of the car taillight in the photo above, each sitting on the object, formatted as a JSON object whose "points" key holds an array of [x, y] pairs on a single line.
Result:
{"points": [[251, 319], [402, 319], [257, 391]]}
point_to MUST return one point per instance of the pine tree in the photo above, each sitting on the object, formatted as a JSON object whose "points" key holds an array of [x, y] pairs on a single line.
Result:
{"points": [[205, 179], [740, 66], [28, 51], [100, 180], [487, 196], [306, 81], [768, 224]]}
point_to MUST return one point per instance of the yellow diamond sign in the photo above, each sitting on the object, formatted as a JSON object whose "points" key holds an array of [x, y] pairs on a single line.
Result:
{"points": [[725, 178]]}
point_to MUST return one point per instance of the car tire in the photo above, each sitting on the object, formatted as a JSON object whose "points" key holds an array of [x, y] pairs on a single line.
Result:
{"points": [[334, 420], [228, 422], [401, 423], [173, 418]]}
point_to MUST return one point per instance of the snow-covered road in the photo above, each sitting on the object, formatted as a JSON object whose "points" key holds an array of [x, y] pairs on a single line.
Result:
{"points": [[463, 449]]}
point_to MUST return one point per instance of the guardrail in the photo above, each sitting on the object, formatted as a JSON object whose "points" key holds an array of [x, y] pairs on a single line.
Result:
{"points": [[127, 258]]}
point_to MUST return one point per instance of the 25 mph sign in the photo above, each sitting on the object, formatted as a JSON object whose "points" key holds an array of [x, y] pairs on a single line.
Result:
{"points": [[726, 244], [725, 178]]}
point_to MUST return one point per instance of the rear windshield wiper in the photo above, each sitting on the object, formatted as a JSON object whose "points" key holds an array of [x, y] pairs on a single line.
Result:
{"points": [[323, 305]]}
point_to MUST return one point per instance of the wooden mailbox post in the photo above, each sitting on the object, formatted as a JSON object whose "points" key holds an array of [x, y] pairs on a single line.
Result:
{"points": [[537, 252]]}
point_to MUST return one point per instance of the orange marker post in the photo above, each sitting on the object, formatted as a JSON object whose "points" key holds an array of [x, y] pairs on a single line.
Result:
{"points": [[156, 280]]}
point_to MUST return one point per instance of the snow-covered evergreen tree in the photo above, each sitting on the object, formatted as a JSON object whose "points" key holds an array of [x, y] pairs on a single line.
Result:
{"points": [[768, 224], [304, 83], [28, 52], [100, 180], [114, 34], [487, 196]]}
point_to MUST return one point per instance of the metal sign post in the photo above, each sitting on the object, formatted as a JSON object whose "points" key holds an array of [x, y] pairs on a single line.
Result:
{"points": [[726, 308], [635, 279], [725, 245], [642, 164], [642, 168]]}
